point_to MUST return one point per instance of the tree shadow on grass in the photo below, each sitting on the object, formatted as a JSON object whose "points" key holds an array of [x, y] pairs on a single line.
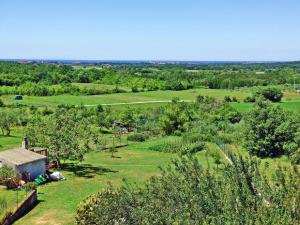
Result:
{"points": [[86, 170], [9, 136]]}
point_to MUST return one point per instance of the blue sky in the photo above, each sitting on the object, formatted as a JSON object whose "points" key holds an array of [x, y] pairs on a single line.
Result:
{"points": [[151, 30]]}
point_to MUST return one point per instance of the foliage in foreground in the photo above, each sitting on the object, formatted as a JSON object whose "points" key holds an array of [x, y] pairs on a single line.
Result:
{"points": [[188, 194]]}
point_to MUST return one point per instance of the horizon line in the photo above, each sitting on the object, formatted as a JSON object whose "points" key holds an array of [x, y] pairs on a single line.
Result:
{"points": [[142, 60]]}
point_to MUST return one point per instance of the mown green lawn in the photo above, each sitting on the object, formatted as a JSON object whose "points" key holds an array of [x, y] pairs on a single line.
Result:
{"points": [[12, 141], [59, 200], [135, 163]]}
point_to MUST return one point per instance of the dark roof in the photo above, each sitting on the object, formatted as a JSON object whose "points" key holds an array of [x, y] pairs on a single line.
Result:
{"points": [[20, 157]]}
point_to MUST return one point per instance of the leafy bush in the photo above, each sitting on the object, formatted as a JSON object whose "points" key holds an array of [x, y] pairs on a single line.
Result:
{"points": [[295, 158], [174, 118], [6, 173], [181, 146], [170, 146], [139, 137], [249, 99], [204, 99], [186, 193], [271, 93], [1, 103], [134, 89], [271, 131], [192, 148], [30, 186], [230, 99]]}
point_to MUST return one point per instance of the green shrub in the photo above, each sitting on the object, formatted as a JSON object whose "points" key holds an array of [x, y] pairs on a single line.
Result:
{"points": [[181, 146], [271, 93], [7, 172], [227, 99], [30, 187], [170, 146], [1, 103], [192, 148], [134, 89], [249, 99], [187, 193], [138, 137], [295, 158]]}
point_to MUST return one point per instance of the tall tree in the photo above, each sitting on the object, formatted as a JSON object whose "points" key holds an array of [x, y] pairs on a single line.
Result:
{"points": [[271, 131], [66, 134]]}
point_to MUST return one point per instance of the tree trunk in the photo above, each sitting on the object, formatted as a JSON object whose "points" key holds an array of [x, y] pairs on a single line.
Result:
{"points": [[58, 163]]}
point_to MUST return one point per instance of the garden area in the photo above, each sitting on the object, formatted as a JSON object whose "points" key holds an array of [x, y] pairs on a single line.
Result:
{"points": [[125, 137]]}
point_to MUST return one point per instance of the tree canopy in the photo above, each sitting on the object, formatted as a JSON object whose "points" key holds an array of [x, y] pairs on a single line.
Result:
{"points": [[271, 131]]}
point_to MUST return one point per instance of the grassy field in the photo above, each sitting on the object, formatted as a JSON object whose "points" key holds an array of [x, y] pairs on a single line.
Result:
{"points": [[125, 97], [291, 100]]}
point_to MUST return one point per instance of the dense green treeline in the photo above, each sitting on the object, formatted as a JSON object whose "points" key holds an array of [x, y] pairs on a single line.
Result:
{"points": [[141, 77]]}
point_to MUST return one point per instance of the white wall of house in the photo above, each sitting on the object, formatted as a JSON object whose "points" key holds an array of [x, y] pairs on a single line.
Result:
{"points": [[35, 168]]}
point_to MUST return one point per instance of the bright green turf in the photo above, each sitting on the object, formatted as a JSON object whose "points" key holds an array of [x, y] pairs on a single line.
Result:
{"points": [[12, 141]]}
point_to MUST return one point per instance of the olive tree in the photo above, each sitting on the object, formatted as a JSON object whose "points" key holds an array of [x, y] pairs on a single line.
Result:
{"points": [[66, 134], [8, 119]]}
